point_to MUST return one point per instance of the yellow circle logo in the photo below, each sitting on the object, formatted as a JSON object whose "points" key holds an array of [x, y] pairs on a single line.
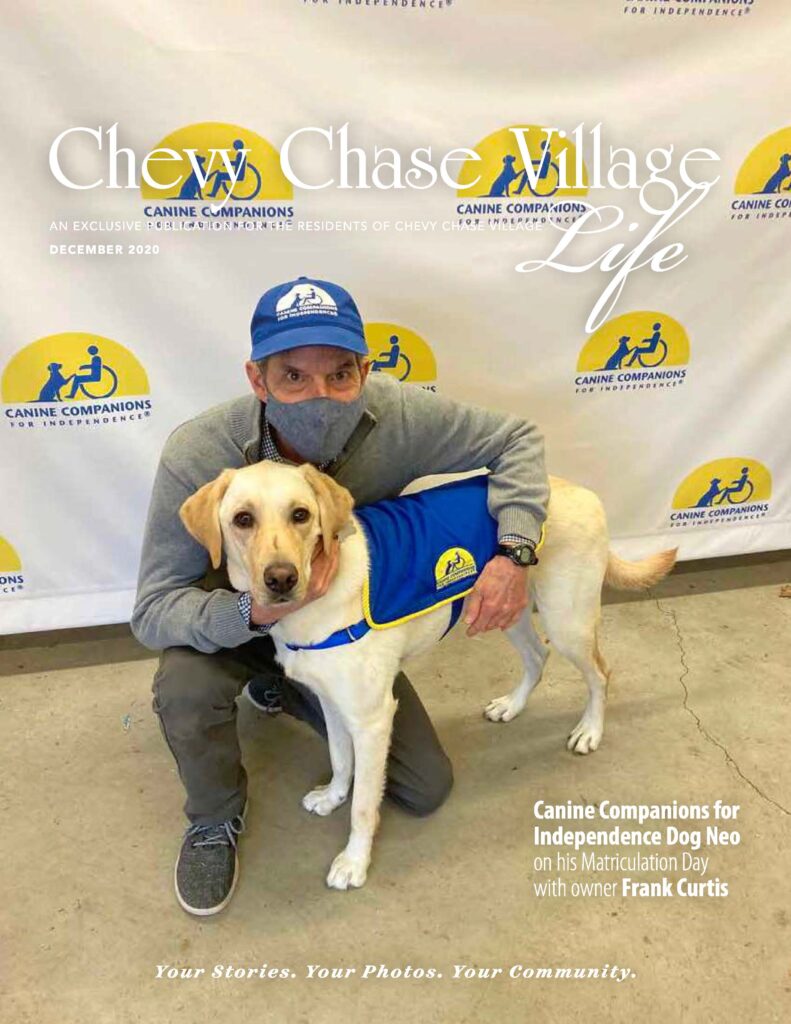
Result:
{"points": [[216, 161], [9, 559], [767, 169], [642, 338], [724, 482], [72, 367], [505, 155], [452, 565], [400, 352]]}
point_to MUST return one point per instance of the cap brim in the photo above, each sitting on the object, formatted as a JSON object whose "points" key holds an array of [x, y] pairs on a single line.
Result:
{"points": [[299, 337]]}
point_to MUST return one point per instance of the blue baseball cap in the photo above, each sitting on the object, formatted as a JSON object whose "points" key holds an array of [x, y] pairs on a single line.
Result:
{"points": [[306, 312]]}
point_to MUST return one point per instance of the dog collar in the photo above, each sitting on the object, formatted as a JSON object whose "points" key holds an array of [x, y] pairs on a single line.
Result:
{"points": [[347, 635]]}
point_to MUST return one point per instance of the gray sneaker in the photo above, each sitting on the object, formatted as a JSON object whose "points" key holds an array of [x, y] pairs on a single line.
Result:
{"points": [[207, 868]]}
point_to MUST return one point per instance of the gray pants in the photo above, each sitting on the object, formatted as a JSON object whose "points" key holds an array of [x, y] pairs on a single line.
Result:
{"points": [[195, 695]]}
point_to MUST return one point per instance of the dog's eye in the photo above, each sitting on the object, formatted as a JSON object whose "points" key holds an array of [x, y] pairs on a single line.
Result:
{"points": [[300, 515], [243, 519]]}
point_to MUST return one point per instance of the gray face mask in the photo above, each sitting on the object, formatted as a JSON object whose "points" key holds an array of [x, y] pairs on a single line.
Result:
{"points": [[317, 428]]}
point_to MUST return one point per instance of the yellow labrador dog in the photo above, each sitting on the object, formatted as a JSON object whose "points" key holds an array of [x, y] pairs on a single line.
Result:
{"points": [[269, 517]]}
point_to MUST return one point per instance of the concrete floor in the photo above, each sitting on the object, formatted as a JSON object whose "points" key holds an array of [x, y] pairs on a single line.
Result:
{"points": [[699, 711]]}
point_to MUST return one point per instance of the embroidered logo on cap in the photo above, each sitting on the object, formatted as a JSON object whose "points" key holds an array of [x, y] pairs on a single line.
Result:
{"points": [[305, 300]]}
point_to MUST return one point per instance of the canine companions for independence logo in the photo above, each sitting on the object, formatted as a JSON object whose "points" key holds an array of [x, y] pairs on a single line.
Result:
{"points": [[634, 351], [725, 490], [523, 175], [452, 565], [683, 9], [401, 353], [219, 177], [765, 177], [74, 379], [11, 577], [305, 300]]}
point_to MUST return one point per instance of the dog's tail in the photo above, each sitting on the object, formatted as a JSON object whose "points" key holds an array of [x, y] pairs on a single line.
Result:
{"points": [[640, 575]]}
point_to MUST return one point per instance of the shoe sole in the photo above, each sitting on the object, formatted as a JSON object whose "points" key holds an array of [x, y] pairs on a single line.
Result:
{"points": [[259, 707], [209, 911]]}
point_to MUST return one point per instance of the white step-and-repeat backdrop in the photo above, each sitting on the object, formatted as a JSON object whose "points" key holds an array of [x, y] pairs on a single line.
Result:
{"points": [[576, 210]]}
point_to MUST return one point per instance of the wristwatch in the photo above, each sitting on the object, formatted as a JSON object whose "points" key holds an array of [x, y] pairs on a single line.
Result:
{"points": [[520, 554]]}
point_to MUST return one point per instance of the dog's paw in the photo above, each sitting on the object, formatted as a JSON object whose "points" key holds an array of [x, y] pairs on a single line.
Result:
{"points": [[347, 871], [323, 800], [503, 709], [585, 736]]}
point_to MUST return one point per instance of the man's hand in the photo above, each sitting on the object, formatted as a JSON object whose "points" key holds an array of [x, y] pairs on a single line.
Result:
{"points": [[498, 598], [323, 569]]}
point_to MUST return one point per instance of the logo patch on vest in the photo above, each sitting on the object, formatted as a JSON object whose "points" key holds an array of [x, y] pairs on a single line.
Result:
{"points": [[452, 565]]}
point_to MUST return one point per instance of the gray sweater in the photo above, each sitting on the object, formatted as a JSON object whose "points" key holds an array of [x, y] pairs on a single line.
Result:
{"points": [[405, 433]]}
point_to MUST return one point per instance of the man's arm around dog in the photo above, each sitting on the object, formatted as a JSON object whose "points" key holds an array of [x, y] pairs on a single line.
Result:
{"points": [[405, 433]]}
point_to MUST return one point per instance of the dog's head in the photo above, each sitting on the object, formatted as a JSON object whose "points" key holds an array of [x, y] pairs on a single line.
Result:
{"points": [[269, 519]]}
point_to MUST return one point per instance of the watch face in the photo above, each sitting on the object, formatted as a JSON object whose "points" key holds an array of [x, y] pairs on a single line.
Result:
{"points": [[522, 554]]}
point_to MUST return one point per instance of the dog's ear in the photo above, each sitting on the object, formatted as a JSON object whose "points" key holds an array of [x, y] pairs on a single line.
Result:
{"points": [[200, 514], [335, 503]]}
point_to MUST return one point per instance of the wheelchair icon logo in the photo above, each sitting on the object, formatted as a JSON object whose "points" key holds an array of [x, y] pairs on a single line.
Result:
{"points": [[393, 358], [246, 179], [738, 492], [648, 353], [94, 379]]}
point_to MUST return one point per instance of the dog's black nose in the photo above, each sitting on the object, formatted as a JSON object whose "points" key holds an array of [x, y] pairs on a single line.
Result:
{"points": [[280, 577]]}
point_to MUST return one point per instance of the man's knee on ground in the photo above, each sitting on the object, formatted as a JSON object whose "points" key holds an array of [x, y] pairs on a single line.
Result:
{"points": [[432, 792]]}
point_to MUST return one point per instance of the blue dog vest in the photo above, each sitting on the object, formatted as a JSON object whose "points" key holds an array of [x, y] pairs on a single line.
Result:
{"points": [[425, 550]]}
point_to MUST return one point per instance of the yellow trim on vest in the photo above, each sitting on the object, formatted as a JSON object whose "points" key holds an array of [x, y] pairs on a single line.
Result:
{"points": [[404, 618]]}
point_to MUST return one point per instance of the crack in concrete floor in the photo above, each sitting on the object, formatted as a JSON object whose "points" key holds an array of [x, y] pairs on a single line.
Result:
{"points": [[730, 760]]}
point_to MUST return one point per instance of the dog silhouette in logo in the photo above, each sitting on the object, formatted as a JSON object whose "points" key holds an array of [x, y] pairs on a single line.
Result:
{"points": [[50, 392], [706, 499], [620, 353], [190, 187], [775, 183], [507, 175]]}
